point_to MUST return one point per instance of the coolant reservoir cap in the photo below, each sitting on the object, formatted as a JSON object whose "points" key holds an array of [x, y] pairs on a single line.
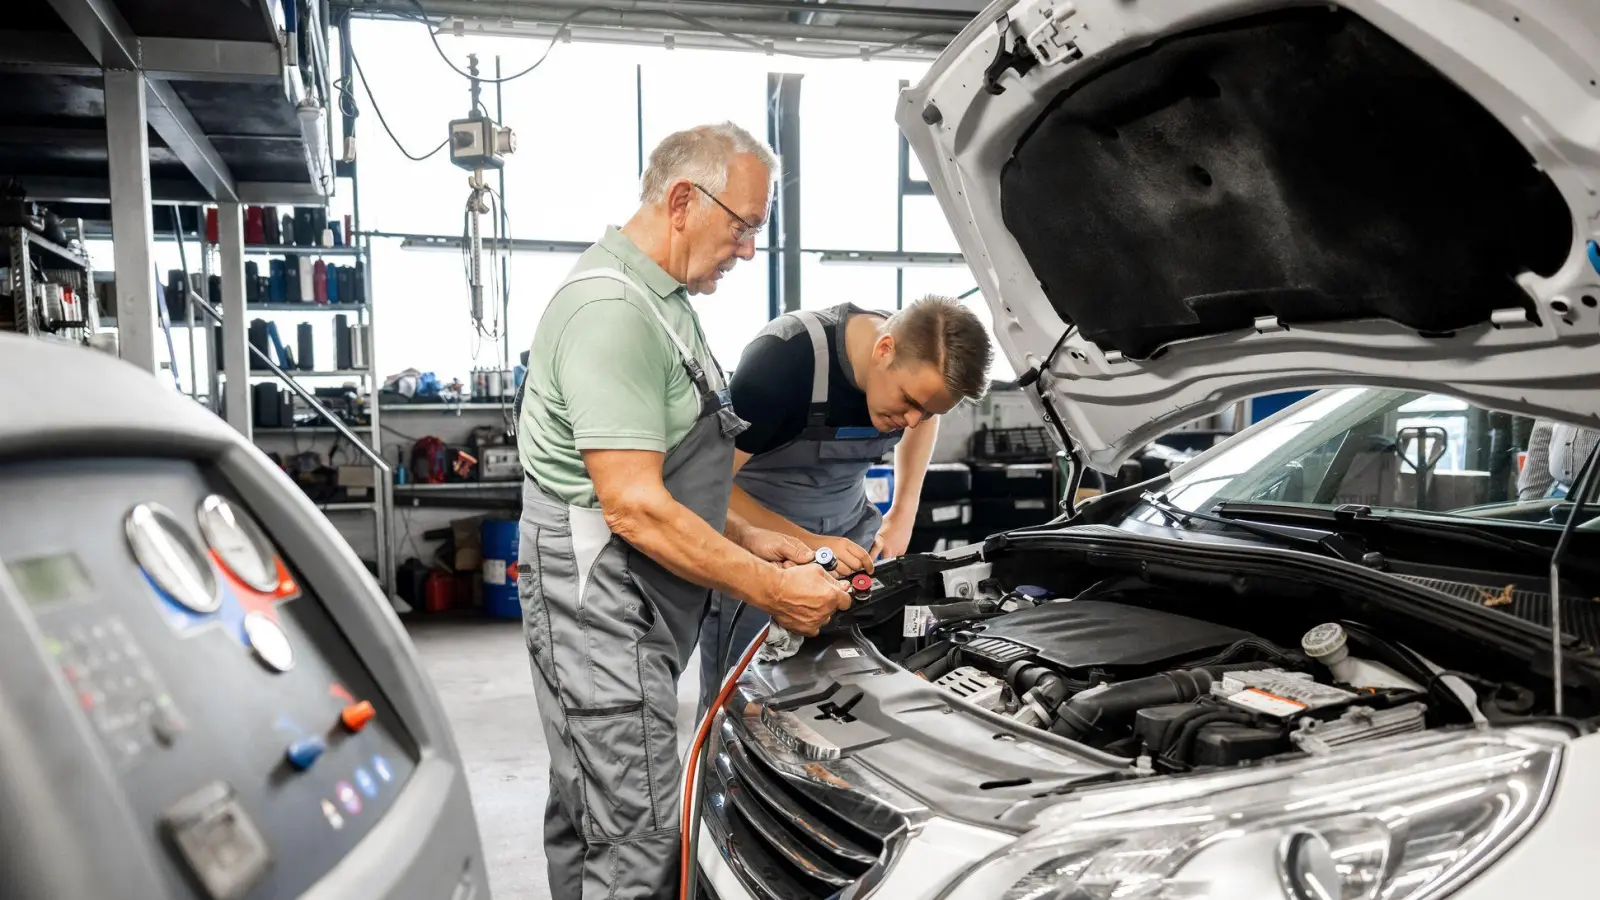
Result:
{"points": [[1325, 641]]}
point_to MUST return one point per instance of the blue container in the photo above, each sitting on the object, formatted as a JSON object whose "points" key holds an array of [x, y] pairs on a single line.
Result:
{"points": [[499, 537], [880, 487]]}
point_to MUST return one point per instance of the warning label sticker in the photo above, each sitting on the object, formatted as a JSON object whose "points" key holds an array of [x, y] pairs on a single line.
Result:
{"points": [[918, 622], [1271, 704]]}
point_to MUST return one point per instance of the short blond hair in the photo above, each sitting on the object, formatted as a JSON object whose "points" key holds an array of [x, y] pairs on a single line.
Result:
{"points": [[700, 155], [941, 332]]}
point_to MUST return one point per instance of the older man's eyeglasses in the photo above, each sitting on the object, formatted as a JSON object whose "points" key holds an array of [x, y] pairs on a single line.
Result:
{"points": [[747, 231]]}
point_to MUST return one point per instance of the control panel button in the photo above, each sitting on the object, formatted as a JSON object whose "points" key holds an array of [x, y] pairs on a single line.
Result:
{"points": [[303, 752], [219, 841], [357, 715], [270, 643]]}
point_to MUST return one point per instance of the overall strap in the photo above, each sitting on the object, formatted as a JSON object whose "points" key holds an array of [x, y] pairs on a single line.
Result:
{"points": [[818, 414]]}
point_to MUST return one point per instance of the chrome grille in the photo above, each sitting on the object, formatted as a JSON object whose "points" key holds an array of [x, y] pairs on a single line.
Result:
{"points": [[782, 838]]}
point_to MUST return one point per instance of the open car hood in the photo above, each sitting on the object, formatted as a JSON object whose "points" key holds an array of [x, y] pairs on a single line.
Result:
{"points": [[1228, 198]]}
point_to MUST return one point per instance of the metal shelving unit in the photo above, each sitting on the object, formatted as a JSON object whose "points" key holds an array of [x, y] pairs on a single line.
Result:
{"points": [[306, 307], [296, 250], [445, 407], [313, 429], [26, 250], [330, 373]]}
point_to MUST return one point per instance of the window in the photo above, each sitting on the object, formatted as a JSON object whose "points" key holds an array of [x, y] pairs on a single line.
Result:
{"points": [[850, 153], [1361, 446]]}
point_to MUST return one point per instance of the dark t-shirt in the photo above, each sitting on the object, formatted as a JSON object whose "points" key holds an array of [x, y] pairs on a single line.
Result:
{"points": [[771, 390]]}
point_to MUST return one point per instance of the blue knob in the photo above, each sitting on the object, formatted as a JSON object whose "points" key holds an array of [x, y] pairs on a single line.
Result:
{"points": [[302, 753], [1594, 255]]}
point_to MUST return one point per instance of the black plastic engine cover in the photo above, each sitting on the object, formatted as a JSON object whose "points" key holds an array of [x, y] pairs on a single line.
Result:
{"points": [[1095, 634]]}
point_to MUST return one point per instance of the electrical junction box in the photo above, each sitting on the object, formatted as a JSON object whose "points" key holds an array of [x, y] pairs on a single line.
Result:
{"points": [[478, 143]]}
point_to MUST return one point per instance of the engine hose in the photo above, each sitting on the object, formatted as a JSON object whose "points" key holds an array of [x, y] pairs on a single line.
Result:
{"points": [[925, 657], [1263, 648], [688, 844], [1177, 752], [940, 667], [1082, 716]]}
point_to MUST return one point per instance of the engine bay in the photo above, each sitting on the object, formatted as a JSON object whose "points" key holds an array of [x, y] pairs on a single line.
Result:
{"points": [[1182, 678]]}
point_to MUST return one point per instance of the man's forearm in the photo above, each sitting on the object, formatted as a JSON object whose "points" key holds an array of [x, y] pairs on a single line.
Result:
{"points": [[674, 536], [911, 458], [753, 513]]}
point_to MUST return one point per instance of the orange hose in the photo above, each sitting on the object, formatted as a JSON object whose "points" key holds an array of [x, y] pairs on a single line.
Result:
{"points": [[691, 764]]}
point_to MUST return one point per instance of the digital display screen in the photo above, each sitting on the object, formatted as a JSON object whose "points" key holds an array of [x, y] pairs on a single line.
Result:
{"points": [[47, 580]]}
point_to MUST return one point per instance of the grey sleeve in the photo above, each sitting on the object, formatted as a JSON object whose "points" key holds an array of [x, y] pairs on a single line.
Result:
{"points": [[1534, 481]]}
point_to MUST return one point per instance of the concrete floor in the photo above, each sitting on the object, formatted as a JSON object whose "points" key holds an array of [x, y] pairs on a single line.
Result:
{"points": [[480, 669]]}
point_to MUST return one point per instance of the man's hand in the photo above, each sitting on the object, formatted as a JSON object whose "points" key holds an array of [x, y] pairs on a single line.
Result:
{"points": [[775, 548], [804, 598], [849, 553], [894, 536]]}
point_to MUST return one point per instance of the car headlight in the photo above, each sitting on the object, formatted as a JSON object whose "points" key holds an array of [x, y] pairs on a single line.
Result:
{"points": [[1397, 820]]}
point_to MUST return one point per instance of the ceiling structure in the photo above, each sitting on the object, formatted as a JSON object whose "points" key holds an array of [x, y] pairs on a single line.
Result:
{"points": [[890, 29]]}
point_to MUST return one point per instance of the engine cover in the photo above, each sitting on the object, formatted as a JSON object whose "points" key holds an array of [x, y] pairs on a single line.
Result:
{"points": [[1090, 634]]}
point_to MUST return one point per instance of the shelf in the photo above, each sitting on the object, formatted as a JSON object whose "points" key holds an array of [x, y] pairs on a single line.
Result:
{"points": [[296, 373], [267, 250], [61, 254], [347, 507], [456, 486], [305, 307], [310, 429], [444, 407]]}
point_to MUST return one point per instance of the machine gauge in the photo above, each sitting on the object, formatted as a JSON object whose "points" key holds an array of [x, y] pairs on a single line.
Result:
{"points": [[269, 642], [239, 544], [172, 559]]}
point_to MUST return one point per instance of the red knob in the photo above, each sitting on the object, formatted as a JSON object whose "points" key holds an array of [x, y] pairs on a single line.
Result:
{"points": [[357, 715], [861, 581]]}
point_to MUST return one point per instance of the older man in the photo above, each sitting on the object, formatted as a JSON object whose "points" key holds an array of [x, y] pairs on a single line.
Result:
{"points": [[627, 436]]}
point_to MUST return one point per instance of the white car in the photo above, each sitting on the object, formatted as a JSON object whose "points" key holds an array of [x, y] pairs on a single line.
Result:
{"points": [[1315, 662]]}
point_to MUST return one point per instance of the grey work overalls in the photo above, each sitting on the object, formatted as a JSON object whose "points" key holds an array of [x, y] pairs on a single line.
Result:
{"points": [[817, 481], [609, 631]]}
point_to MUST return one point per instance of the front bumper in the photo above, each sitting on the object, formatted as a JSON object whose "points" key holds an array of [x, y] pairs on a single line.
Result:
{"points": [[777, 825]]}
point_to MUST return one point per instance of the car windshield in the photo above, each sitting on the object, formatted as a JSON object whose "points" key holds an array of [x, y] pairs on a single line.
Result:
{"points": [[1393, 450]]}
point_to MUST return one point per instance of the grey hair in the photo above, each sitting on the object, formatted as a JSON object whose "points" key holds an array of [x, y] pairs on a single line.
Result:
{"points": [[700, 155]]}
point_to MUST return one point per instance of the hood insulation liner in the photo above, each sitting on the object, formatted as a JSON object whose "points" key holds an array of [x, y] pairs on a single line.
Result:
{"points": [[1301, 165]]}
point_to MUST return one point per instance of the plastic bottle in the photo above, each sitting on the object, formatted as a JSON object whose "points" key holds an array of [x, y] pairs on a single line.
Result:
{"points": [[1327, 644]]}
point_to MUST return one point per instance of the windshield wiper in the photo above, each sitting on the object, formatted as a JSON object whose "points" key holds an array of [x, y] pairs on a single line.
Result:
{"points": [[1328, 543], [1459, 532]]}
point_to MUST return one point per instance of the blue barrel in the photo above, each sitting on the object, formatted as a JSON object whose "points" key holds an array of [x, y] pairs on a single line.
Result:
{"points": [[880, 487], [499, 538]]}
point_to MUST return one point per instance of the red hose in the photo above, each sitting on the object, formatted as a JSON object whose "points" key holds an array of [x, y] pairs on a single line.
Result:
{"points": [[691, 765]]}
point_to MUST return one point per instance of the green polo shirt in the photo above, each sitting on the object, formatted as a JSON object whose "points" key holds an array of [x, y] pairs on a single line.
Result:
{"points": [[603, 375]]}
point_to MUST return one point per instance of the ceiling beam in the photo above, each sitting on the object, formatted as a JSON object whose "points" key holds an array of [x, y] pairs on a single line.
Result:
{"points": [[192, 59], [953, 18], [183, 136], [102, 30], [106, 35], [41, 53]]}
